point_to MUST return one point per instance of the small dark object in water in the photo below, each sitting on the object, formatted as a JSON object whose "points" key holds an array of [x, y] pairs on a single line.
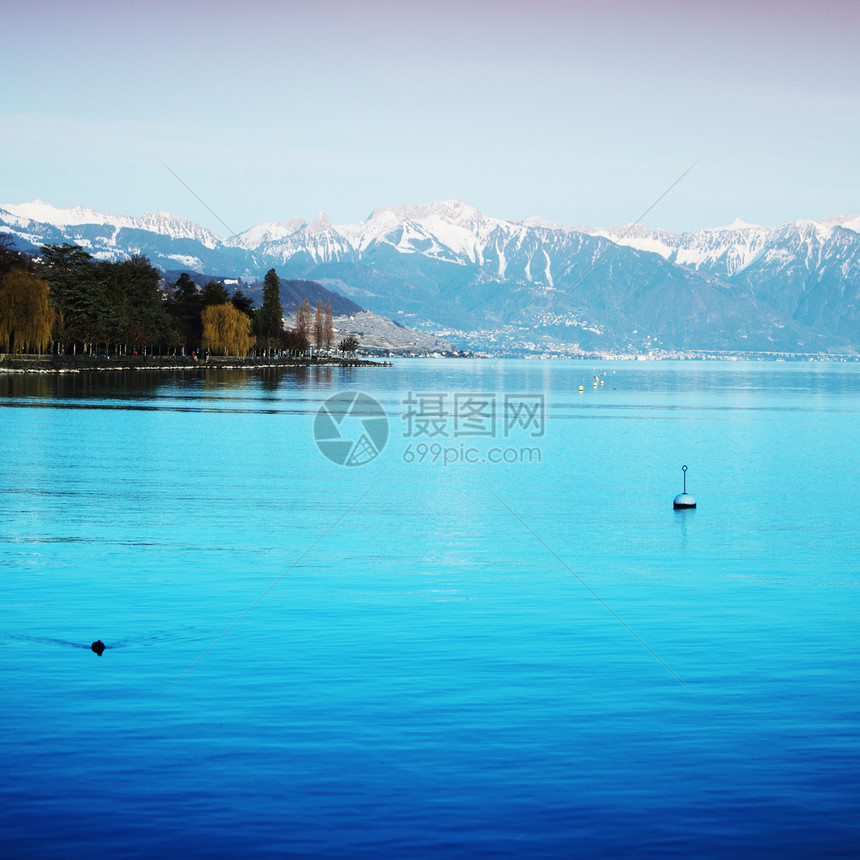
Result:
{"points": [[98, 646]]}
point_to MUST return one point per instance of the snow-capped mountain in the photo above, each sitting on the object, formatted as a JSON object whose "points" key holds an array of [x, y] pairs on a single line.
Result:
{"points": [[726, 251], [793, 287], [807, 270], [162, 223], [170, 242], [721, 251], [450, 231]]}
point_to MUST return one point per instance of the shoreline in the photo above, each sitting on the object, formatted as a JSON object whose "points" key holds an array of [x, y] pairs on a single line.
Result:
{"points": [[78, 364]]}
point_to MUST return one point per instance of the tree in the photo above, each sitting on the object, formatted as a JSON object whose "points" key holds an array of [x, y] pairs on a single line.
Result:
{"points": [[184, 289], [214, 293], [295, 341], [243, 303], [270, 317], [101, 302], [74, 293], [65, 257], [148, 323], [348, 344], [319, 326], [184, 305], [303, 323], [26, 316], [10, 256], [226, 330], [110, 320], [328, 329]]}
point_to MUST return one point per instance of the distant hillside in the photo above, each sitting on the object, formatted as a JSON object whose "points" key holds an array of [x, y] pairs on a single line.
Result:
{"points": [[292, 292], [231, 283], [379, 335], [296, 291]]}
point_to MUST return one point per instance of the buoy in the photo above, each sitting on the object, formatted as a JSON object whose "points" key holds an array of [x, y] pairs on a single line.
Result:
{"points": [[98, 647], [581, 388], [684, 500]]}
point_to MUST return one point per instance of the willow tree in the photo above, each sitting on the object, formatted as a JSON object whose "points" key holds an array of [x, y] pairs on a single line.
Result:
{"points": [[226, 330], [26, 317]]}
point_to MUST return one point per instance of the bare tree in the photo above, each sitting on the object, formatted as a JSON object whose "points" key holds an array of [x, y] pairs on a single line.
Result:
{"points": [[319, 326], [328, 328], [348, 345], [303, 322]]}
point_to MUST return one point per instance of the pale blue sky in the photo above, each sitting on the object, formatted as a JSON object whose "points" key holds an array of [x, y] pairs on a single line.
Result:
{"points": [[580, 112]]}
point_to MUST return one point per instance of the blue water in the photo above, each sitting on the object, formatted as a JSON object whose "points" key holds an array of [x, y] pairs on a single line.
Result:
{"points": [[416, 659]]}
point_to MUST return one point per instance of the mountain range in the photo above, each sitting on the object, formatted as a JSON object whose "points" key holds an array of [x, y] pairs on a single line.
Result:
{"points": [[526, 286]]}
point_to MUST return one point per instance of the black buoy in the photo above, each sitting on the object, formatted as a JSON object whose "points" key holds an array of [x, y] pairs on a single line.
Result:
{"points": [[684, 500], [98, 646]]}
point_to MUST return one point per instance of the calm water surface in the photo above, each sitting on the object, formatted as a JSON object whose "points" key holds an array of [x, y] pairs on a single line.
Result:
{"points": [[537, 658]]}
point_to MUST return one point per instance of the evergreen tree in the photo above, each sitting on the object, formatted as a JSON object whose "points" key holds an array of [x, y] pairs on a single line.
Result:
{"points": [[269, 319], [65, 257], [243, 303], [184, 305], [214, 294], [74, 294], [148, 323], [184, 289], [111, 317]]}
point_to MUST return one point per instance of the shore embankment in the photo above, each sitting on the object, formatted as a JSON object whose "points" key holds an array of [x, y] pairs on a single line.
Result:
{"points": [[82, 363]]}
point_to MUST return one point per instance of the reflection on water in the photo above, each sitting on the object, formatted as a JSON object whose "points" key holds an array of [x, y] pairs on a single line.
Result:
{"points": [[125, 385], [684, 520]]}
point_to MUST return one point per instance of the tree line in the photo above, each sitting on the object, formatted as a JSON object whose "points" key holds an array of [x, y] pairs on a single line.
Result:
{"points": [[66, 301]]}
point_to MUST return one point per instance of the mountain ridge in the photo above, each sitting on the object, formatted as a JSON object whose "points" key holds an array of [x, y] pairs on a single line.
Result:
{"points": [[447, 267]]}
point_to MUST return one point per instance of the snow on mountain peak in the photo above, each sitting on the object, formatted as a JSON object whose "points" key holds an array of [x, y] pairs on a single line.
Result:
{"points": [[849, 222], [45, 213], [320, 224], [155, 222], [446, 230], [537, 221], [737, 224], [267, 232], [450, 211]]}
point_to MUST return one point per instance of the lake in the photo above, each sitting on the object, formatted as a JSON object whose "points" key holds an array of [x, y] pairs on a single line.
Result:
{"points": [[442, 609]]}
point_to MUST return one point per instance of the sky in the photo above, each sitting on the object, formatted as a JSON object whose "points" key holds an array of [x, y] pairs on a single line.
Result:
{"points": [[582, 113]]}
